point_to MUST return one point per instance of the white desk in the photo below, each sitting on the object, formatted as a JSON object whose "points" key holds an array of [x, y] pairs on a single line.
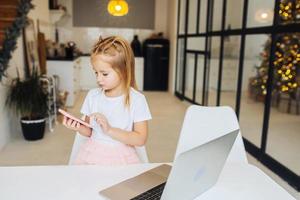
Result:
{"points": [[84, 182]]}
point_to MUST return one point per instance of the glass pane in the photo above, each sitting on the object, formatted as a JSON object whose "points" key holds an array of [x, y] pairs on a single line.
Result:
{"points": [[230, 70], [217, 15], [199, 81], [283, 136], [214, 70], [192, 16], [196, 43], [182, 16], [260, 13], [189, 75], [203, 16], [234, 14], [257, 51], [180, 56]]}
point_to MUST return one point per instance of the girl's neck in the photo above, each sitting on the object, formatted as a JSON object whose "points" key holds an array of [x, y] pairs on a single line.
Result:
{"points": [[115, 92]]}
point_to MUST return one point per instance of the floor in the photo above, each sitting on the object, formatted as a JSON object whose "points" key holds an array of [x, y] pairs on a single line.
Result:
{"points": [[167, 112]]}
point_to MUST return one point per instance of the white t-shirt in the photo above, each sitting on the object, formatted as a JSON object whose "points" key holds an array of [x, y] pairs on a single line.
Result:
{"points": [[114, 109]]}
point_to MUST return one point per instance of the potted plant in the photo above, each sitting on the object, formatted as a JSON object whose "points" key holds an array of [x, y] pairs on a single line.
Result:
{"points": [[28, 99]]}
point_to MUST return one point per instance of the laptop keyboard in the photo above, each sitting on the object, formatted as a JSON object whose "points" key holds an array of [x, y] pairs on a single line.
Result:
{"points": [[152, 194]]}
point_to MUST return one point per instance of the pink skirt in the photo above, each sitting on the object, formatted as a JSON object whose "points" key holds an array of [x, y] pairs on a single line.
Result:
{"points": [[95, 152]]}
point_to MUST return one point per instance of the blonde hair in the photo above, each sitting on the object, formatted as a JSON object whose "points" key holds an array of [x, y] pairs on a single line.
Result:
{"points": [[121, 60]]}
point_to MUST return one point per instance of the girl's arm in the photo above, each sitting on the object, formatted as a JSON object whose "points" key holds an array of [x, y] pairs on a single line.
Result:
{"points": [[137, 137], [76, 126]]}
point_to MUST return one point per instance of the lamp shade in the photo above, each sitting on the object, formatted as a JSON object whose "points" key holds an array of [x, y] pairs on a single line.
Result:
{"points": [[117, 7]]}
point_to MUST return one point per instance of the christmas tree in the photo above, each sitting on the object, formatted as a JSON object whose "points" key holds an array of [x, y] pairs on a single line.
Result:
{"points": [[287, 63], [287, 57], [258, 84]]}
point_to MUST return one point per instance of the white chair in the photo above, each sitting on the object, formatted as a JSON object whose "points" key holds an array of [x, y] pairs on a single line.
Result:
{"points": [[203, 124], [79, 139]]}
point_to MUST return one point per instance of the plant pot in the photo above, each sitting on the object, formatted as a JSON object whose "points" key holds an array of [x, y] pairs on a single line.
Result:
{"points": [[33, 129]]}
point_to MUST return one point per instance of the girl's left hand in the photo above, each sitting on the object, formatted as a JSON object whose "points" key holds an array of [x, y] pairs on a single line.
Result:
{"points": [[102, 121]]}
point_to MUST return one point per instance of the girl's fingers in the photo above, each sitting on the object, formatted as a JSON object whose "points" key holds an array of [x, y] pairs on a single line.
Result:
{"points": [[74, 124], [95, 115], [69, 122], [99, 121], [66, 121]]}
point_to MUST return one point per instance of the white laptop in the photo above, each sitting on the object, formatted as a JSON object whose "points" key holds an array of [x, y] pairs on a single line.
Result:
{"points": [[193, 172]]}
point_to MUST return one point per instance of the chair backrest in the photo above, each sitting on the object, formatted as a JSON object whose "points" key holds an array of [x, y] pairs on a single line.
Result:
{"points": [[203, 124], [79, 139]]}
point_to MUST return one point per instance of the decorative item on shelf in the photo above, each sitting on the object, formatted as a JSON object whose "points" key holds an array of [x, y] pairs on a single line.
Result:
{"points": [[61, 52], [117, 8], [136, 46], [70, 50]]}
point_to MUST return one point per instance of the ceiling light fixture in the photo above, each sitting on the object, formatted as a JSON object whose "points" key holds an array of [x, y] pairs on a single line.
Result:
{"points": [[117, 7]]}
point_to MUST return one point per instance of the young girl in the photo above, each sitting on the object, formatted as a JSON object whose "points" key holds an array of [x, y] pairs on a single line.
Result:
{"points": [[117, 112]]}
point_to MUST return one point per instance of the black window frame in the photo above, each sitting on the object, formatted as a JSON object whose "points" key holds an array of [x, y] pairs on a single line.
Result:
{"points": [[275, 29]]}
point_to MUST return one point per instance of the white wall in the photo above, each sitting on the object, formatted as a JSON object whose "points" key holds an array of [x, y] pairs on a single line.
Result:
{"points": [[41, 12], [161, 15], [172, 35], [9, 124]]}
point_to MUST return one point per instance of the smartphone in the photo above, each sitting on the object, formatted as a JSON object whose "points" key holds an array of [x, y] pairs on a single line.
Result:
{"points": [[68, 115]]}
